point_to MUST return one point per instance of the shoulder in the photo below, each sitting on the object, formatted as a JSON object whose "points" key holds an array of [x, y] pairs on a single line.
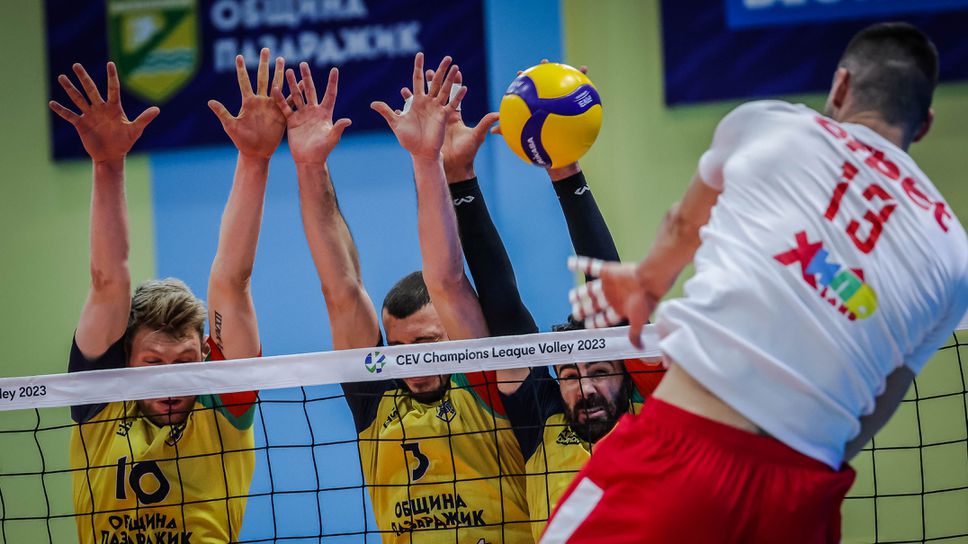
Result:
{"points": [[384, 408], [481, 387], [752, 110], [113, 412], [96, 433], [113, 357], [959, 287], [751, 114]]}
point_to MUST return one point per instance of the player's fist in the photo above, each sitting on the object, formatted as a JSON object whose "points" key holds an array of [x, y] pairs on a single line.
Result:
{"points": [[618, 294]]}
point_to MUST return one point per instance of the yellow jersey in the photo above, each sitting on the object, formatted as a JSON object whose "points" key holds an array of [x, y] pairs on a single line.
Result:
{"points": [[136, 482], [445, 472], [554, 452]]}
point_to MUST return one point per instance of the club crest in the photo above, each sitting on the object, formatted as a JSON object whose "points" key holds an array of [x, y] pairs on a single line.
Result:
{"points": [[154, 44], [446, 411], [567, 437]]}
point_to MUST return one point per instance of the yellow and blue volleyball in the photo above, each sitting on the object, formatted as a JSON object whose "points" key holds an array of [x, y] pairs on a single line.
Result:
{"points": [[550, 115]]}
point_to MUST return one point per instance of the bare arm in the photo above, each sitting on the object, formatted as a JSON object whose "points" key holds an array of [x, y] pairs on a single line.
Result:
{"points": [[898, 383], [626, 290], [231, 311], [104, 317], [312, 137], [678, 238], [352, 317], [256, 132], [421, 132], [107, 136], [443, 262]]}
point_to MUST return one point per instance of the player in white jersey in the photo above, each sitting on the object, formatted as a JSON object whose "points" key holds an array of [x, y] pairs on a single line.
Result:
{"points": [[828, 270]]}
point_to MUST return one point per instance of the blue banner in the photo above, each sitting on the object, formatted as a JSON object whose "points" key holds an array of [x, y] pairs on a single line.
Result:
{"points": [[178, 54], [706, 59], [747, 13]]}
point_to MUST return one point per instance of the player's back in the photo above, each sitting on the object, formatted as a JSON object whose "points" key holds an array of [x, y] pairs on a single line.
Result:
{"points": [[830, 260]]}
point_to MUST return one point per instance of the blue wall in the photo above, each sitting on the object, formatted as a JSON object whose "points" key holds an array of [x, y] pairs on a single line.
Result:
{"points": [[373, 179]]}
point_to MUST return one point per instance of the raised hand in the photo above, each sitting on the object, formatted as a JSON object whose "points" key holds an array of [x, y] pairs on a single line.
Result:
{"points": [[105, 130], [258, 128], [461, 142], [616, 295], [312, 132], [421, 129]]}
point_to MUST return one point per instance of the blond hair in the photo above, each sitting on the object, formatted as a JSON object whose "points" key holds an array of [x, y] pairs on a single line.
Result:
{"points": [[167, 306]]}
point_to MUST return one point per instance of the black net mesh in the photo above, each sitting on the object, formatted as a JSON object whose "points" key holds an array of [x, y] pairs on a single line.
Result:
{"points": [[308, 483]]}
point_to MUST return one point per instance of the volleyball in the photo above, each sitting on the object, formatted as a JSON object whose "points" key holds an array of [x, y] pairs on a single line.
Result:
{"points": [[550, 115]]}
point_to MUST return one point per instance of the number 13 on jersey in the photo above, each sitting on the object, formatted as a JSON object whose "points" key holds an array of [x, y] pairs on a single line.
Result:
{"points": [[877, 219]]}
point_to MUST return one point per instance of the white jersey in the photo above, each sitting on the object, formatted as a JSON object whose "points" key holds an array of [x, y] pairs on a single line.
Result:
{"points": [[829, 261]]}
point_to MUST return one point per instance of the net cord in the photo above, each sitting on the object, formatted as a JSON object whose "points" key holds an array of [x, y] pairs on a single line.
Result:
{"points": [[329, 367], [322, 368]]}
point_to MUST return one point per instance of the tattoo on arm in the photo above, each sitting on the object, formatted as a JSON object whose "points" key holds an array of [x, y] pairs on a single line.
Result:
{"points": [[217, 326]]}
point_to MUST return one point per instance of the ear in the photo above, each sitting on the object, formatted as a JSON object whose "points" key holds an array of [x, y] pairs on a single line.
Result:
{"points": [[925, 126], [206, 350], [839, 88]]}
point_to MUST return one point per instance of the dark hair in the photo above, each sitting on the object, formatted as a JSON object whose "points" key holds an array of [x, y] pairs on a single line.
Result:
{"points": [[894, 70], [570, 325], [407, 297]]}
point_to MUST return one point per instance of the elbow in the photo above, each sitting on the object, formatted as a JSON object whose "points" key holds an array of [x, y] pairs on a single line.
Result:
{"points": [[446, 280], [236, 280], [344, 297], [681, 227], [115, 279]]}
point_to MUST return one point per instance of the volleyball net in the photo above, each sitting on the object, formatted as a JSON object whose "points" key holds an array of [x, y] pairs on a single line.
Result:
{"points": [[307, 460]]}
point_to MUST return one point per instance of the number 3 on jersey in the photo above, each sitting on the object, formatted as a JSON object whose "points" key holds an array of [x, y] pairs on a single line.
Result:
{"points": [[423, 462]]}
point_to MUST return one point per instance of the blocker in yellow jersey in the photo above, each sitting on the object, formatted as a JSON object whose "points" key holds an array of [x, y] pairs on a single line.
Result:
{"points": [[551, 468], [446, 471], [137, 482], [555, 444]]}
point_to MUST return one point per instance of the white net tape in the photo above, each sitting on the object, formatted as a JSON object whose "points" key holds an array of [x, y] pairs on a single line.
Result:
{"points": [[321, 368]]}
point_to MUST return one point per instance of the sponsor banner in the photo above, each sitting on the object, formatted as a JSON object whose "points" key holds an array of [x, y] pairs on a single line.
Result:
{"points": [[333, 367], [178, 54], [705, 58], [748, 13]]}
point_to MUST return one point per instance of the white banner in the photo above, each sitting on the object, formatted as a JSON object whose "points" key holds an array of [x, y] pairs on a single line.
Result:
{"points": [[305, 369]]}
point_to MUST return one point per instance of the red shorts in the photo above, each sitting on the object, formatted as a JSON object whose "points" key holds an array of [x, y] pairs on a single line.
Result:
{"points": [[668, 475]]}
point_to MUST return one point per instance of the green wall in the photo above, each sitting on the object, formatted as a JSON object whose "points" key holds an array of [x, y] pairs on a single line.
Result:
{"points": [[641, 163], [44, 209], [44, 271]]}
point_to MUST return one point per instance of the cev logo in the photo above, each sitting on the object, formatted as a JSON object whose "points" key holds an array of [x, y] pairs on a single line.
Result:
{"points": [[374, 362]]}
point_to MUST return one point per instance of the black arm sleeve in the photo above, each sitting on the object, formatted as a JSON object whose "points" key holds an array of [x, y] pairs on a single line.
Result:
{"points": [[586, 226], [114, 357], [488, 261], [528, 408], [363, 398]]}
